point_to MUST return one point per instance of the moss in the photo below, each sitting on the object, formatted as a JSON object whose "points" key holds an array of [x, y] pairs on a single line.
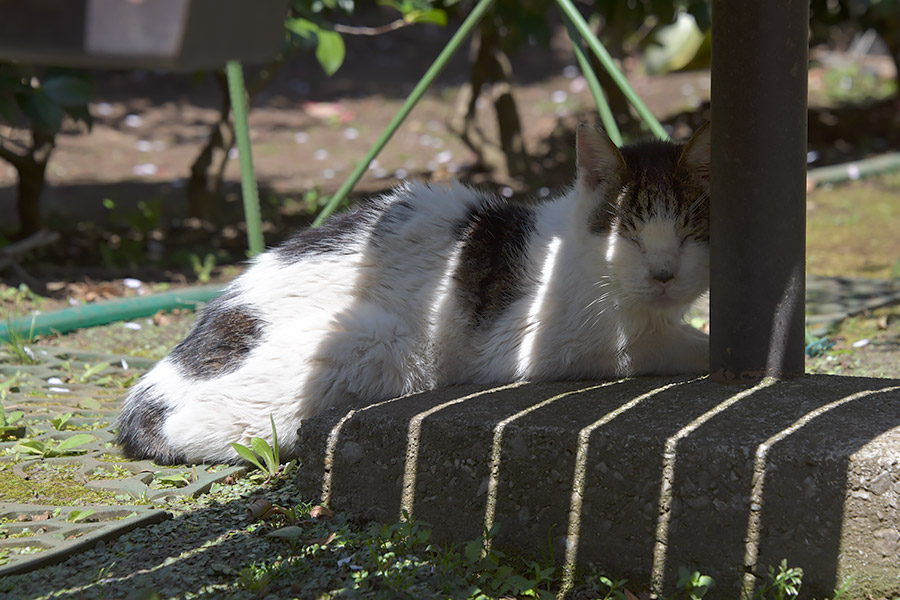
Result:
{"points": [[51, 483], [852, 229]]}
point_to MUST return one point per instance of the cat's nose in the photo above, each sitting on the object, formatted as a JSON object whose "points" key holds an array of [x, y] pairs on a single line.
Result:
{"points": [[662, 275]]}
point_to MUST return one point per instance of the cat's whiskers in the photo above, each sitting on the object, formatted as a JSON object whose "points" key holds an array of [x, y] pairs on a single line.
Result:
{"points": [[593, 317]]}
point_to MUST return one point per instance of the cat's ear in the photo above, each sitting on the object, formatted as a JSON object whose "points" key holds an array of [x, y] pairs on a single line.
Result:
{"points": [[598, 158], [696, 155]]}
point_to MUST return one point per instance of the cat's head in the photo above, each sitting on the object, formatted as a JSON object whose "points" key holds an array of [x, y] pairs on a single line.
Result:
{"points": [[649, 204]]}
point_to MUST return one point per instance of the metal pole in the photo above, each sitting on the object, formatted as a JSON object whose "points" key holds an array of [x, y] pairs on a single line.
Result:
{"points": [[237, 92], [758, 189], [430, 75]]}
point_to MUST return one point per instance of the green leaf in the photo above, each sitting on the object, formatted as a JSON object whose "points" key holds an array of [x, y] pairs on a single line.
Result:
{"points": [[304, 28], [30, 447], [434, 16], [60, 422], [174, 479], [79, 515], [263, 449], [91, 370], [274, 441], [45, 114], [330, 51], [68, 90], [73, 442], [10, 418], [247, 455], [291, 532]]}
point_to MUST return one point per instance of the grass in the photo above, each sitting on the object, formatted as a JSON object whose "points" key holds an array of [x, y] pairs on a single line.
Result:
{"points": [[852, 229]]}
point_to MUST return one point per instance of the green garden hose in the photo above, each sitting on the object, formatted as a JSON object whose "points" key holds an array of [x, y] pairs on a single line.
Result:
{"points": [[102, 313]]}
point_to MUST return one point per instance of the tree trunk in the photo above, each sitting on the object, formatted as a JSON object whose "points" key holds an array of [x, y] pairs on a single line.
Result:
{"points": [[490, 65], [204, 187], [31, 168]]}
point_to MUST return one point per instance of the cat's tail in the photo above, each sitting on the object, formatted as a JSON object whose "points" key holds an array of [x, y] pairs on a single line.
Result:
{"points": [[141, 427]]}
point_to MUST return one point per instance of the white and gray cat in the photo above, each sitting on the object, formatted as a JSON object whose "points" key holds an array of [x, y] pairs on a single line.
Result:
{"points": [[434, 285]]}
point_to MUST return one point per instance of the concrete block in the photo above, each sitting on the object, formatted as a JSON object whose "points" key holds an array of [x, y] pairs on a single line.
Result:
{"points": [[638, 476]]}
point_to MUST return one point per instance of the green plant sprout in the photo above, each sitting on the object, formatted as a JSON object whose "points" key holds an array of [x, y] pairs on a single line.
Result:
{"points": [[261, 449], [691, 585], [51, 449], [614, 587], [11, 424], [79, 515], [20, 295], [89, 372], [203, 270], [18, 344], [179, 479], [784, 584], [59, 423]]}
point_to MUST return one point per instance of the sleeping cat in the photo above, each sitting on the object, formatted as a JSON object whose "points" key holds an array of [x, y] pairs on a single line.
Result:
{"points": [[436, 285]]}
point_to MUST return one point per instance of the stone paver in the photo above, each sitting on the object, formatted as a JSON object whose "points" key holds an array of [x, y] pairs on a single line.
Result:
{"points": [[87, 386]]}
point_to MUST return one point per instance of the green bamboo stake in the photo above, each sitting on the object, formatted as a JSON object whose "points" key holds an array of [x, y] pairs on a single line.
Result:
{"points": [[237, 91], [433, 71], [609, 121], [606, 60]]}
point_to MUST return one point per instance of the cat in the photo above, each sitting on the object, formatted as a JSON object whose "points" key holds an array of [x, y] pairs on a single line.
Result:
{"points": [[433, 285]]}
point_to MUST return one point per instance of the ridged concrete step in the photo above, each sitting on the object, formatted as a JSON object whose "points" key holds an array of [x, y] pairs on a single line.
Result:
{"points": [[638, 476]]}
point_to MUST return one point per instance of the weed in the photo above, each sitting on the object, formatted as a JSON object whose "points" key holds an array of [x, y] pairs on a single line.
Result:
{"points": [[783, 584], [177, 480], [615, 588], [76, 516], [839, 593], [51, 448], [18, 344], [203, 269], [105, 572], [691, 585], [851, 83], [10, 423], [59, 423], [89, 373], [20, 295], [261, 449]]}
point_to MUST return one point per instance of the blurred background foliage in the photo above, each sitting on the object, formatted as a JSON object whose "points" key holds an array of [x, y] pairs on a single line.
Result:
{"points": [[664, 35]]}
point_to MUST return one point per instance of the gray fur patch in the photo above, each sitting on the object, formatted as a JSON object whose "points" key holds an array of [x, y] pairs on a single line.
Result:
{"points": [[493, 259], [140, 428], [337, 236], [219, 341]]}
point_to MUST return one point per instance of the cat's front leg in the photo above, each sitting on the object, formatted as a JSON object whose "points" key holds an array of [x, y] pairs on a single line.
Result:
{"points": [[680, 351], [689, 351]]}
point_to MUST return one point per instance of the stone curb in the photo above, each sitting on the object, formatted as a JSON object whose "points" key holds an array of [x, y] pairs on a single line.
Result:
{"points": [[640, 476]]}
